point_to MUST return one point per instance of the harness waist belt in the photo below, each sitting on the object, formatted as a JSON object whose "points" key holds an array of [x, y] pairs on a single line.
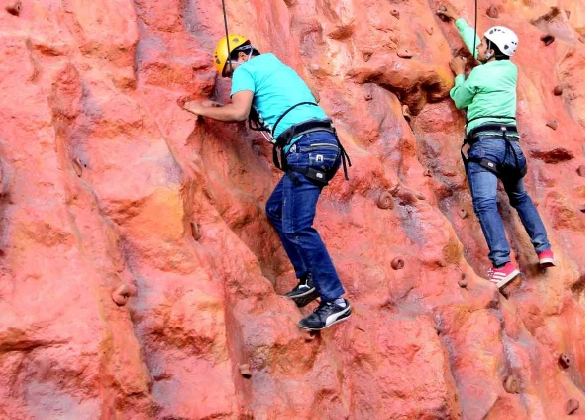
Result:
{"points": [[302, 128], [492, 128]]}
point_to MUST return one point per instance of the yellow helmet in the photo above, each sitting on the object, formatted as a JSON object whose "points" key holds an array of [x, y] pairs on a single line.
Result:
{"points": [[221, 55]]}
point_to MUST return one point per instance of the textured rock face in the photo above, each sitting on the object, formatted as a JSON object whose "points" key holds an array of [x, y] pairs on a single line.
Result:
{"points": [[106, 182]]}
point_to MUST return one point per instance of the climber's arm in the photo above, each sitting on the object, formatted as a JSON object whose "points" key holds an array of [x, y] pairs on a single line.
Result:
{"points": [[461, 93], [447, 11], [468, 34], [464, 90], [237, 110]]}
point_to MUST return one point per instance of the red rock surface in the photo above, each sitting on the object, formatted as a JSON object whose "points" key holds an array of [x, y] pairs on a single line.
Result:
{"points": [[107, 185]]}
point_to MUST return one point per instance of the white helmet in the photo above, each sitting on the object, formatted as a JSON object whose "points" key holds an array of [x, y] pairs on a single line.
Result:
{"points": [[504, 38]]}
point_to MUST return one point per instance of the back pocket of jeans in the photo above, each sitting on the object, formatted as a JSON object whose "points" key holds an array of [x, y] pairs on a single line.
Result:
{"points": [[322, 160]]}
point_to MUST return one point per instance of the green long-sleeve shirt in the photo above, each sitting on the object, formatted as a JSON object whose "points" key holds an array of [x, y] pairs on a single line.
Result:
{"points": [[490, 89]]}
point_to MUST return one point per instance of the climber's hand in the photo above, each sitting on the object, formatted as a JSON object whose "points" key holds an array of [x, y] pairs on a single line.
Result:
{"points": [[458, 65], [194, 107], [447, 10]]}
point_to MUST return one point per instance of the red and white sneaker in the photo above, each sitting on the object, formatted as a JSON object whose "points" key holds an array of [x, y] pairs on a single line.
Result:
{"points": [[547, 258], [503, 275]]}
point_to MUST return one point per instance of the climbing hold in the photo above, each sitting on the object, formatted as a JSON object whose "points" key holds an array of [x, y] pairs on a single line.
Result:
{"points": [[123, 293], [309, 335], [245, 371], [582, 39], [420, 196], [77, 166], [558, 90], [560, 154], [430, 30], [397, 263], [572, 406], [404, 53], [565, 361], [14, 8], [463, 213], [553, 124], [367, 56], [395, 13], [385, 201], [581, 170], [394, 191], [407, 198], [547, 39], [568, 13], [428, 172], [512, 385], [195, 231], [463, 282], [406, 113], [493, 11], [582, 209], [368, 96]]}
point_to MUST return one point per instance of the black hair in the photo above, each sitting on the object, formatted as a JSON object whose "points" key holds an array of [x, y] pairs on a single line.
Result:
{"points": [[497, 53], [245, 48]]}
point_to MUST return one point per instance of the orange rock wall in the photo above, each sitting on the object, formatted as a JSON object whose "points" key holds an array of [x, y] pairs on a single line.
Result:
{"points": [[105, 181]]}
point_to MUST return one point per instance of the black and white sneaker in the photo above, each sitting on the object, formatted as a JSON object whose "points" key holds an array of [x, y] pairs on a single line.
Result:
{"points": [[304, 292], [326, 315]]}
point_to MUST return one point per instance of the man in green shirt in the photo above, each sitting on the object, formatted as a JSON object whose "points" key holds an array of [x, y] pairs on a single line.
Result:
{"points": [[489, 96]]}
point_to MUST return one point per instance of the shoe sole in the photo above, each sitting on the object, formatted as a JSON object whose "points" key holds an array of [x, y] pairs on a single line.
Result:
{"points": [[504, 282], [306, 298], [345, 316], [547, 262]]}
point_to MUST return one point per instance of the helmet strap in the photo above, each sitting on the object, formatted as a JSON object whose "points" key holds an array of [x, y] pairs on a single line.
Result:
{"points": [[234, 63], [488, 54]]}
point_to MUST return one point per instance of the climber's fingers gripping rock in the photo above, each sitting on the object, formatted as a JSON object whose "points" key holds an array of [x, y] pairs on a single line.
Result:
{"points": [[458, 64], [448, 11]]}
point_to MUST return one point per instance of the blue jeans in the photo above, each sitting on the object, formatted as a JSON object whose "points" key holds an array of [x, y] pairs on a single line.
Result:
{"points": [[483, 185], [291, 211]]}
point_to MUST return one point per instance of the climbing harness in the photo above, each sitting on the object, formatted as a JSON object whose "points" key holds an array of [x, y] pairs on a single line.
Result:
{"points": [[279, 144], [501, 170]]}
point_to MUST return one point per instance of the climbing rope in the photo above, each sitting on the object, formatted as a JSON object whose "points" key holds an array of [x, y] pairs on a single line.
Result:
{"points": [[227, 35], [474, 34]]}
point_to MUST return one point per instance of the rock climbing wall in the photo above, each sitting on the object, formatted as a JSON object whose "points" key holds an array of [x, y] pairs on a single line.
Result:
{"points": [[107, 186]]}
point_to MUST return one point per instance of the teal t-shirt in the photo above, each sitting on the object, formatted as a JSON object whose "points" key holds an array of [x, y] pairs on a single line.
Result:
{"points": [[490, 89], [276, 88]]}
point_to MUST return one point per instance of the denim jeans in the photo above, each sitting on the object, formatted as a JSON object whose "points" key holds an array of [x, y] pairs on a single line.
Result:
{"points": [[483, 186], [291, 211]]}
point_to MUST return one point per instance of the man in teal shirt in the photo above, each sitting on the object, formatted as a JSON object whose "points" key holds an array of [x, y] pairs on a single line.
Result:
{"points": [[489, 96], [311, 155]]}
